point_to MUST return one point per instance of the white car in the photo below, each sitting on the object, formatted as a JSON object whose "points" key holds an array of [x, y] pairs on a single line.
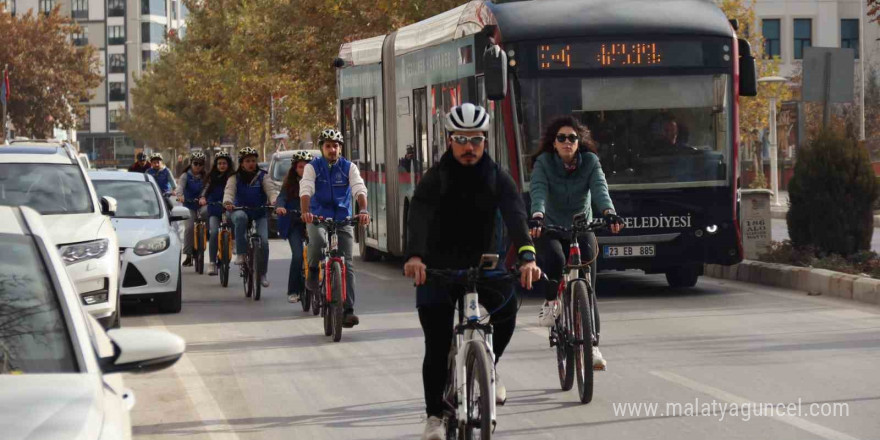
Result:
{"points": [[57, 364], [149, 248], [48, 177]]}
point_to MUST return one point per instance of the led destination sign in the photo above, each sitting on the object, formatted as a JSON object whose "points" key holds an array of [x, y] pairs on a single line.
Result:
{"points": [[629, 54]]}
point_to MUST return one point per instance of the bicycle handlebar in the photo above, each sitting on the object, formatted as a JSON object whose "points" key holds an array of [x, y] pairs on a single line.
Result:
{"points": [[330, 222], [594, 225]]}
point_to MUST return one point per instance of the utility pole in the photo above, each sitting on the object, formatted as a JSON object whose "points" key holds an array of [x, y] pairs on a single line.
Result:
{"points": [[3, 100], [862, 61]]}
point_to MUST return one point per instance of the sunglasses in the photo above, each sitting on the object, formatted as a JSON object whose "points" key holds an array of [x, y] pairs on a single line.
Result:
{"points": [[561, 138], [474, 140]]}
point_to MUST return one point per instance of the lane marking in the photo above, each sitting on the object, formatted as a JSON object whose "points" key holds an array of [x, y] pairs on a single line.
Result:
{"points": [[201, 399], [797, 422]]}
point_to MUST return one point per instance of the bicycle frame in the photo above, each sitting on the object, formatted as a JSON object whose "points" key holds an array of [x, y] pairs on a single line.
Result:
{"points": [[466, 333], [333, 255]]}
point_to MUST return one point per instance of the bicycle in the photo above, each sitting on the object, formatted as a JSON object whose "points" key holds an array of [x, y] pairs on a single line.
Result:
{"points": [[579, 313], [225, 238], [200, 230], [307, 297], [332, 284], [250, 270], [470, 386]]}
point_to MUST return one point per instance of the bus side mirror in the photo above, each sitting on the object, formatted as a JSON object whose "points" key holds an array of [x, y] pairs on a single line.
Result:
{"points": [[748, 77], [495, 70]]}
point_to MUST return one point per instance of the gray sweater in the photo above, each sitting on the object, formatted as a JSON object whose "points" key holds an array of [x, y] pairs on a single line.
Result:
{"points": [[559, 195]]}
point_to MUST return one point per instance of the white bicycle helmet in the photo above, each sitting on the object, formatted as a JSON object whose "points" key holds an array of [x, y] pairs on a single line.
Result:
{"points": [[331, 134], [301, 155], [197, 156], [467, 117], [247, 151], [223, 155], [155, 156]]}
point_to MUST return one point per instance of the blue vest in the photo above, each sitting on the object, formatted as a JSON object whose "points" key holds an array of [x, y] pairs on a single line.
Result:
{"points": [[215, 196], [193, 190], [163, 179], [251, 194], [332, 192]]}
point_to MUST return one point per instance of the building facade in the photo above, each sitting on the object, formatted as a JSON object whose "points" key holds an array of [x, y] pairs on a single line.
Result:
{"points": [[128, 35]]}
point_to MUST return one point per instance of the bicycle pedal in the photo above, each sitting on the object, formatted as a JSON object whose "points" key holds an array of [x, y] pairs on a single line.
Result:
{"points": [[553, 341]]}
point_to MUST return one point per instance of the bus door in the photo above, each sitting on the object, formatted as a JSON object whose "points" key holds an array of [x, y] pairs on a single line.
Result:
{"points": [[422, 155]]}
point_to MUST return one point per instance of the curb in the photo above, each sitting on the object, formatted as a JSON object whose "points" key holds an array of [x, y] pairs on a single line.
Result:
{"points": [[780, 215], [812, 281]]}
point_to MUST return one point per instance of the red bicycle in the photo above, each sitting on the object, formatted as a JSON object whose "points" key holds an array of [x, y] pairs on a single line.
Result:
{"points": [[332, 265]]}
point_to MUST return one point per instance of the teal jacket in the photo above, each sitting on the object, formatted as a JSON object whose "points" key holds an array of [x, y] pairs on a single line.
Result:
{"points": [[560, 195]]}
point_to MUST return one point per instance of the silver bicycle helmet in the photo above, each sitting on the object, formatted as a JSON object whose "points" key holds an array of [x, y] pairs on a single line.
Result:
{"points": [[467, 117], [247, 151], [331, 134], [301, 155]]}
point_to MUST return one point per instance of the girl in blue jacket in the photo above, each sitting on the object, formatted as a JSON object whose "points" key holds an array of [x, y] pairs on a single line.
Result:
{"points": [[291, 227], [212, 194]]}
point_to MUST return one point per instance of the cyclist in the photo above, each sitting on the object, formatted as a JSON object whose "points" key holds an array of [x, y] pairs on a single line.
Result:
{"points": [[566, 181], [213, 193], [190, 185], [326, 189], [292, 228], [140, 165], [250, 187], [163, 177], [451, 224]]}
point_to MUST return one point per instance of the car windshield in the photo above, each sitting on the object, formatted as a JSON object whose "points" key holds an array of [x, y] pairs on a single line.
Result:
{"points": [[650, 132], [33, 334], [133, 199], [47, 188]]}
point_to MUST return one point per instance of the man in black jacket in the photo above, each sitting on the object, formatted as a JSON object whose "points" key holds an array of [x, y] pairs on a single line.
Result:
{"points": [[451, 224]]}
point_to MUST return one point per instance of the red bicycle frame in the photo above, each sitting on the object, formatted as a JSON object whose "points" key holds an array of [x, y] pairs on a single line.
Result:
{"points": [[327, 279]]}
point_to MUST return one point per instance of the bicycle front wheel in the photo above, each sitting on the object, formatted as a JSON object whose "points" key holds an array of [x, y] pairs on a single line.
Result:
{"points": [[564, 348], [478, 420], [583, 335], [199, 248], [257, 266], [336, 305], [224, 255]]}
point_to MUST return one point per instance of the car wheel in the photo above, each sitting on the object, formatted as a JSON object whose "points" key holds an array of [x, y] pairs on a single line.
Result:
{"points": [[172, 302]]}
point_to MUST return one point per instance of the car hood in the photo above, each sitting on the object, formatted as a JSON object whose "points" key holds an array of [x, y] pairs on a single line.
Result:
{"points": [[130, 230], [51, 406], [73, 228]]}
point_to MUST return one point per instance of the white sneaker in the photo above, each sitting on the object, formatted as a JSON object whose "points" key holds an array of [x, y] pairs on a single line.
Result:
{"points": [[500, 390], [599, 363], [264, 281], [239, 259], [435, 429], [293, 298], [549, 311]]}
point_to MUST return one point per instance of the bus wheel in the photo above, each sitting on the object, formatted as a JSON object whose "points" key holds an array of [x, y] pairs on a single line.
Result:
{"points": [[683, 276], [368, 254]]}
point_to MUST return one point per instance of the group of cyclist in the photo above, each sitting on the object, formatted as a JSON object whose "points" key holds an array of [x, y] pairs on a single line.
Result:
{"points": [[452, 222]]}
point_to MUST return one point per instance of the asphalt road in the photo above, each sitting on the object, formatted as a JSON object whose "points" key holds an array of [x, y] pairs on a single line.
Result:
{"points": [[256, 370]]}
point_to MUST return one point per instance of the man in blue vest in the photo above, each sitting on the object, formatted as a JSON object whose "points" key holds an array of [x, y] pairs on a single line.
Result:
{"points": [[328, 184]]}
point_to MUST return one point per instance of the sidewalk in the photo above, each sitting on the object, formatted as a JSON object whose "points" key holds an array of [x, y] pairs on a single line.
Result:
{"points": [[779, 212]]}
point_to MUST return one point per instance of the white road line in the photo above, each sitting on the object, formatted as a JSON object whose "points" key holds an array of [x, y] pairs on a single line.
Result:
{"points": [[202, 400], [797, 422]]}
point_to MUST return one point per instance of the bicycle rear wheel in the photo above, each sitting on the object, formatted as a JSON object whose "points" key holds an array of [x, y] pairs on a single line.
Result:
{"points": [[256, 266], [564, 349], [317, 302], [478, 420], [306, 299], [336, 306], [583, 335], [224, 254], [199, 248]]}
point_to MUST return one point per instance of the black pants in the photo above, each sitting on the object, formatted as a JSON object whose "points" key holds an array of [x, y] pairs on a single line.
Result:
{"points": [[437, 321]]}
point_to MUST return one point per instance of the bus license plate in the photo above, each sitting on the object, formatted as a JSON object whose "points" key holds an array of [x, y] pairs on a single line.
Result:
{"points": [[639, 250]]}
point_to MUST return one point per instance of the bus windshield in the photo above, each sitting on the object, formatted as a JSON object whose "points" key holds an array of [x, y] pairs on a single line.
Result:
{"points": [[650, 132]]}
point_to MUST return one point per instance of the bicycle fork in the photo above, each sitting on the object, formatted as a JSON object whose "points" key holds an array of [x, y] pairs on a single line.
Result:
{"points": [[466, 334]]}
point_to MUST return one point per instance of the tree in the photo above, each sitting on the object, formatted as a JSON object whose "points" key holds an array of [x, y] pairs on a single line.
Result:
{"points": [[49, 76]]}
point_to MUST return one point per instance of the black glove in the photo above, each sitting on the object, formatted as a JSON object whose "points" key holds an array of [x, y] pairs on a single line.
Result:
{"points": [[612, 219], [536, 222]]}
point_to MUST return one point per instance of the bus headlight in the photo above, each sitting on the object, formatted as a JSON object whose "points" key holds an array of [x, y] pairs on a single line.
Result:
{"points": [[712, 229]]}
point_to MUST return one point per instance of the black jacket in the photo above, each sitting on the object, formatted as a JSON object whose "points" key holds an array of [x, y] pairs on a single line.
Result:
{"points": [[452, 216]]}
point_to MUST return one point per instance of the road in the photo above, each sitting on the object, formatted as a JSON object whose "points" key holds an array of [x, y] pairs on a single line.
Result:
{"points": [[780, 233], [265, 371]]}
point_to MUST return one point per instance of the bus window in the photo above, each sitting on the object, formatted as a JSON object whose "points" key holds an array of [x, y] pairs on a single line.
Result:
{"points": [[349, 116], [421, 153]]}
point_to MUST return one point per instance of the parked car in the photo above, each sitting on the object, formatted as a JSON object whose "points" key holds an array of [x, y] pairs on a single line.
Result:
{"points": [[57, 364], [48, 177], [278, 168], [149, 247]]}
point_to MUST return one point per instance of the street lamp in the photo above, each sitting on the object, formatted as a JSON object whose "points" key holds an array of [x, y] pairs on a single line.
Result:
{"points": [[774, 178]]}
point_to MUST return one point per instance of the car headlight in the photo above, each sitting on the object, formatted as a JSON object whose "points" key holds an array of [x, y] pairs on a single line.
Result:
{"points": [[74, 253], [152, 245]]}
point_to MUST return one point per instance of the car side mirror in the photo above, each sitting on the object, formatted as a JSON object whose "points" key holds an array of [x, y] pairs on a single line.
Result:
{"points": [[179, 213], [108, 206], [748, 76], [495, 71], [142, 350]]}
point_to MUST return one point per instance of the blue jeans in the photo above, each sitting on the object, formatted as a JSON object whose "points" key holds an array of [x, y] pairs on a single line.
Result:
{"points": [[240, 222], [296, 283], [317, 239], [213, 227]]}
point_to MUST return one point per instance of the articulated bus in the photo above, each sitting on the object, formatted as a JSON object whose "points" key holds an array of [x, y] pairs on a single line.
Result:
{"points": [[657, 82]]}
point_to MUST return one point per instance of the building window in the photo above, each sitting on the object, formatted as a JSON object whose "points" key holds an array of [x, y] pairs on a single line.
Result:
{"points": [[147, 58], [86, 123], [117, 63], [80, 9], [153, 7], [113, 119], [80, 38], [116, 8], [115, 35], [46, 6], [771, 30], [849, 34], [117, 91], [803, 36], [174, 10], [152, 33]]}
